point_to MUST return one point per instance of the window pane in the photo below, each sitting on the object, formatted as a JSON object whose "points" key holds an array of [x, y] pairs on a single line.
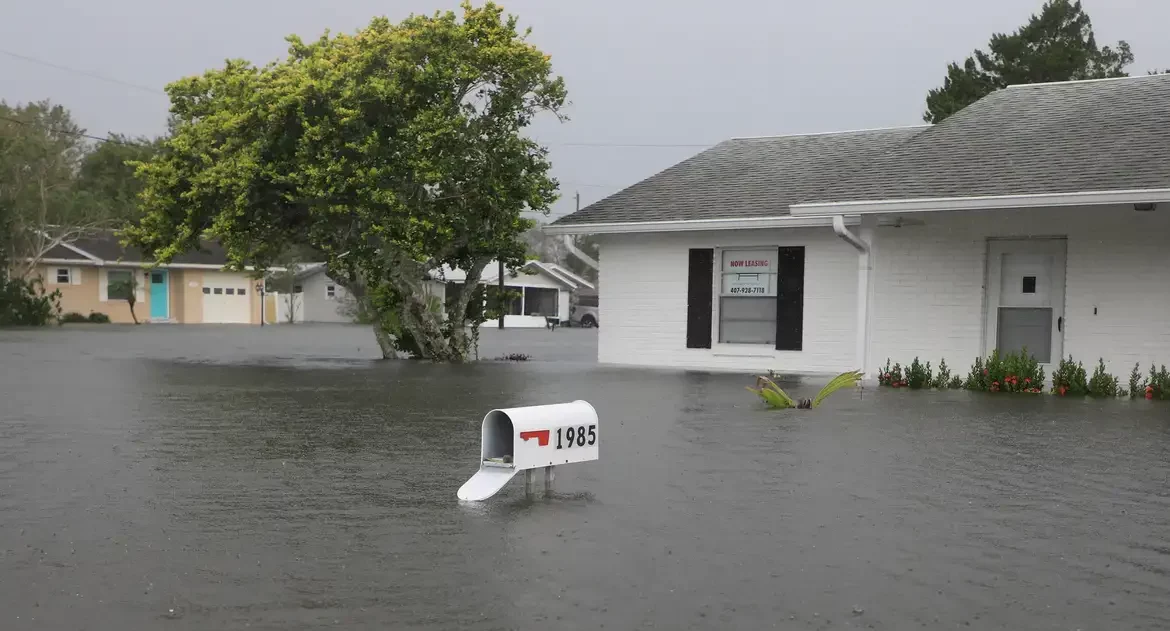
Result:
{"points": [[118, 284], [1026, 328], [156, 277], [63, 275], [207, 290], [541, 301], [231, 291], [218, 290], [240, 291], [747, 320]]}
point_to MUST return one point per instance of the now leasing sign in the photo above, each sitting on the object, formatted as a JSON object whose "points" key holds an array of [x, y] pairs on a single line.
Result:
{"points": [[749, 273]]}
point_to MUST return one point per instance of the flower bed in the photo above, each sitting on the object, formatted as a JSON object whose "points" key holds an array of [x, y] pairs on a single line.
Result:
{"points": [[1020, 372]]}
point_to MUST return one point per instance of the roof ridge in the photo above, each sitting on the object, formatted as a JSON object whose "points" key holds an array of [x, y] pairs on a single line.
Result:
{"points": [[1079, 81], [830, 133]]}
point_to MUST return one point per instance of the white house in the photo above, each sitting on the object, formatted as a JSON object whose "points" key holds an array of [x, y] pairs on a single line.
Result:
{"points": [[322, 299], [542, 289], [1038, 217]]}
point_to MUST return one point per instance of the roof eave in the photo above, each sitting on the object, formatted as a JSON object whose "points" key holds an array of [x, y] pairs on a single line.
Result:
{"points": [[690, 225], [993, 202]]}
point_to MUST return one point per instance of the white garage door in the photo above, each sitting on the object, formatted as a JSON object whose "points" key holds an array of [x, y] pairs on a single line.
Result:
{"points": [[226, 298]]}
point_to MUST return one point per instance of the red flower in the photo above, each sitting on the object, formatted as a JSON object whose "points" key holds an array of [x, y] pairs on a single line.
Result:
{"points": [[1149, 395], [1063, 390], [985, 372], [995, 384], [1149, 389], [1027, 380]]}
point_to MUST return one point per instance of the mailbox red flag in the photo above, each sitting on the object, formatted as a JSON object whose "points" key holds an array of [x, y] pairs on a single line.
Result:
{"points": [[541, 436]]}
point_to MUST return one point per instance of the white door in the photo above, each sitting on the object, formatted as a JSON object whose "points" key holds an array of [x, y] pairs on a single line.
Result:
{"points": [[1025, 298], [226, 298]]}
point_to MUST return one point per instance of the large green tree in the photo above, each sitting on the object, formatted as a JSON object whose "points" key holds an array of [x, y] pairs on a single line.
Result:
{"points": [[106, 175], [41, 206], [1056, 45], [393, 152]]}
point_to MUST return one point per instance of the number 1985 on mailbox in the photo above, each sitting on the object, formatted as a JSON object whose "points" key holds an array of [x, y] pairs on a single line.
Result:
{"points": [[568, 437]]}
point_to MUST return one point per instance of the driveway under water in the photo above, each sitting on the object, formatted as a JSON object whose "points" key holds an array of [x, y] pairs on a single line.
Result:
{"points": [[278, 478]]}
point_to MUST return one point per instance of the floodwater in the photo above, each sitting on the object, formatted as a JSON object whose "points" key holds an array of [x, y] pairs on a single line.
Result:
{"points": [[278, 478]]}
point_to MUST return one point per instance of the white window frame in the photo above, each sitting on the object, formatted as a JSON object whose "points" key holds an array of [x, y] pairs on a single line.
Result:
{"points": [[726, 349], [735, 348], [73, 275], [330, 291]]}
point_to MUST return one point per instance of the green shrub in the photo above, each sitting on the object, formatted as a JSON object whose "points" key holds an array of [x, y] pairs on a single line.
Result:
{"points": [[891, 377], [1014, 372], [72, 317], [942, 379], [98, 318], [1102, 384], [918, 376], [25, 303], [956, 383], [1136, 385], [1070, 378], [1158, 386]]}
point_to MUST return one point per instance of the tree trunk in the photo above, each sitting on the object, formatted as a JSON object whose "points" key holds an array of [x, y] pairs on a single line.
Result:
{"points": [[384, 341]]}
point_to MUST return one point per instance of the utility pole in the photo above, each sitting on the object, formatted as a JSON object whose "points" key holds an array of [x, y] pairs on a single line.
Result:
{"points": [[578, 200], [500, 293]]}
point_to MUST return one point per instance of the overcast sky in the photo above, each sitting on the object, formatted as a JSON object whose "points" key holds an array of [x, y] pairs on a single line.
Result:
{"points": [[640, 72]]}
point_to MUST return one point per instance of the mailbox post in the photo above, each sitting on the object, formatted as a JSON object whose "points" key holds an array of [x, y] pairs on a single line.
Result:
{"points": [[529, 438]]}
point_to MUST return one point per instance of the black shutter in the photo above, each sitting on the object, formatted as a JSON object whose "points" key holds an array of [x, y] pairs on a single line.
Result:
{"points": [[790, 299], [700, 279]]}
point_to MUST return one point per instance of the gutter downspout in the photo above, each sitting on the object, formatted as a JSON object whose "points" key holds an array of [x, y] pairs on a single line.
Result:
{"points": [[863, 244]]}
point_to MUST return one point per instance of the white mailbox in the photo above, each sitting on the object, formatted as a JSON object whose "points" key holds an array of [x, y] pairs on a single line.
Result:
{"points": [[527, 438]]}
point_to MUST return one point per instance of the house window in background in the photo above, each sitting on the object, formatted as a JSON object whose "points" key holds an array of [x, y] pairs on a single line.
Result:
{"points": [[63, 275], [540, 301], [330, 292], [118, 284], [514, 295], [747, 297]]}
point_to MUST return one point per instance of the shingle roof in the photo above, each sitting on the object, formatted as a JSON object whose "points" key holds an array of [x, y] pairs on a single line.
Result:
{"points": [[1070, 137], [107, 247], [745, 177]]}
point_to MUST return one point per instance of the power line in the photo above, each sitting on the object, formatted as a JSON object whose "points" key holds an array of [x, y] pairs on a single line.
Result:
{"points": [[136, 86], [68, 132], [630, 145], [85, 73]]}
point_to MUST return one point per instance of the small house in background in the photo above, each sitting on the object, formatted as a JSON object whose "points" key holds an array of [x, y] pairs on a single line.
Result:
{"points": [[316, 296], [538, 291], [193, 288]]}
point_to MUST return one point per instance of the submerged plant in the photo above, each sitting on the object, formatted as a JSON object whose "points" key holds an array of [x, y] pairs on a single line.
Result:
{"points": [[775, 397]]}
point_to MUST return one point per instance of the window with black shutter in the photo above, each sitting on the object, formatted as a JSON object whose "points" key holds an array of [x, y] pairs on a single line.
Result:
{"points": [[790, 299], [700, 273]]}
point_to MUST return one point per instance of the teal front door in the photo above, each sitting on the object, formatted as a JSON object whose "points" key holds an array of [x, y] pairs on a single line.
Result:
{"points": [[160, 308]]}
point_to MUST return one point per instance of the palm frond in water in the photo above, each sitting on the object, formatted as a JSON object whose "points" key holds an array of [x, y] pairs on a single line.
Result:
{"points": [[776, 398], [772, 394], [842, 380]]}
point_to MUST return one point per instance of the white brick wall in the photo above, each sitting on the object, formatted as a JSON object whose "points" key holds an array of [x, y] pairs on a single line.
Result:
{"points": [[643, 301], [929, 297]]}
